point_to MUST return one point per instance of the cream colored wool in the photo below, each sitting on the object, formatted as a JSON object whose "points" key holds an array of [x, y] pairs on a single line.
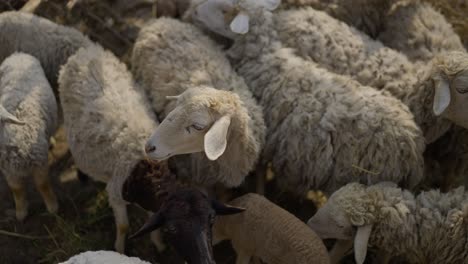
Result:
{"points": [[171, 57], [267, 231], [107, 120], [429, 228], [324, 130]]}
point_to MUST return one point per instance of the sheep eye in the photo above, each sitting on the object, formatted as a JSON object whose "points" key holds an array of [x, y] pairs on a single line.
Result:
{"points": [[212, 219], [198, 127], [170, 229]]}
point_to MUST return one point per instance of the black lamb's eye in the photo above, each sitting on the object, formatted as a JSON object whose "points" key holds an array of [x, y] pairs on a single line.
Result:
{"points": [[169, 229], [212, 219]]}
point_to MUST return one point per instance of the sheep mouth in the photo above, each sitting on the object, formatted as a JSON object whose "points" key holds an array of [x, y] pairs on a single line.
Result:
{"points": [[160, 158]]}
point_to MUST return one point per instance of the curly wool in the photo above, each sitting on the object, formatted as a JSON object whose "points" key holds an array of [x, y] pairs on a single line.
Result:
{"points": [[322, 125], [107, 117], [365, 15], [409, 26], [25, 93], [429, 228], [50, 43], [168, 58], [344, 50]]}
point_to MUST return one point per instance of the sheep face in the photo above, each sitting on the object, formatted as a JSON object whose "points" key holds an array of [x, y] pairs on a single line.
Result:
{"points": [[186, 218], [450, 78], [229, 18], [346, 215], [196, 124]]}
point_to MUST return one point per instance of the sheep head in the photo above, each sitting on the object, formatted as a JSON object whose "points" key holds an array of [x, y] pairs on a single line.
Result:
{"points": [[450, 78], [229, 17], [347, 214], [7, 117], [200, 122], [186, 218]]}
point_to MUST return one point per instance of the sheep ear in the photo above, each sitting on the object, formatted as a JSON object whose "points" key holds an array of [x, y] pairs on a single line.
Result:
{"points": [[172, 97], [360, 243], [240, 24], [216, 138], [7, 117], [224, 209], [441, 97], [155, 222]]}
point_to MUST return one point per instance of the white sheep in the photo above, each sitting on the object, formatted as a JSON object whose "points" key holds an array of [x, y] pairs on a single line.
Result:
{"points": [[50, 43], [28, 118], [103, 257], [320, 125], [419, 31], [107, 122], [269, 232], [214, 115], [413, 27], [429, 228], [344, 50], [365, 15]]}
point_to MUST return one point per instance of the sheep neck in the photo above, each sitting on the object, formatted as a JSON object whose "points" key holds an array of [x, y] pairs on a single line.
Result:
{"points": [[262, 38], [150, 184], [395, 221], [234, 164], [420, 101]]}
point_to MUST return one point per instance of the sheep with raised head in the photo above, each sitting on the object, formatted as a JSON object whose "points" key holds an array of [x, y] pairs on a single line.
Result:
{"points": [[50, 43], [429, 228], [212, 115], [320, 125], [107, 121], [28, 118], [270, 233]]}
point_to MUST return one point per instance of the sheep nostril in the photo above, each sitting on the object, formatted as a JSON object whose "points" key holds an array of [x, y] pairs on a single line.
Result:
{"points": [[149, 149]]}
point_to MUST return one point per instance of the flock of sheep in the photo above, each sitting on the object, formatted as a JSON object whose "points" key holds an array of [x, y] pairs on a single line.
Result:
{"points": [[346, 100]]}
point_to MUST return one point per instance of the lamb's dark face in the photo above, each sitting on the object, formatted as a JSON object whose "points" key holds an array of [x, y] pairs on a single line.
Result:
{"points": [[188, 219], [185, 219]]}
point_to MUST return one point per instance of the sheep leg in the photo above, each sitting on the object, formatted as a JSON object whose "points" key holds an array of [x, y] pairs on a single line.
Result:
{"points": [[383, 257], [16, 185], [42, 181], [243, 258], [260, 177], [121, 223], [157, 240]]}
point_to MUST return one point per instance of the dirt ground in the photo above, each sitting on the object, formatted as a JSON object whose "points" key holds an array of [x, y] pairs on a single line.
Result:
{"points": [[85, 221]]}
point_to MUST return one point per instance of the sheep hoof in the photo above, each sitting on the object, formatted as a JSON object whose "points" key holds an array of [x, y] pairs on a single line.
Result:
{"points": [[21, 214], [120, 246], [157, 241], [52, 207]]}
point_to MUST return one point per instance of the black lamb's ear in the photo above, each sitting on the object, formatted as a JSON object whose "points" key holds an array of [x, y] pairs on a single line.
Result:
{"points": [[224, 209], [153, 223]]}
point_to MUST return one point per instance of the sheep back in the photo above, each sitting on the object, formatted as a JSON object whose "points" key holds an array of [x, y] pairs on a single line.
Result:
{"points": [[26, 93], [107, 117], [267, 231], [50, 43]]}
